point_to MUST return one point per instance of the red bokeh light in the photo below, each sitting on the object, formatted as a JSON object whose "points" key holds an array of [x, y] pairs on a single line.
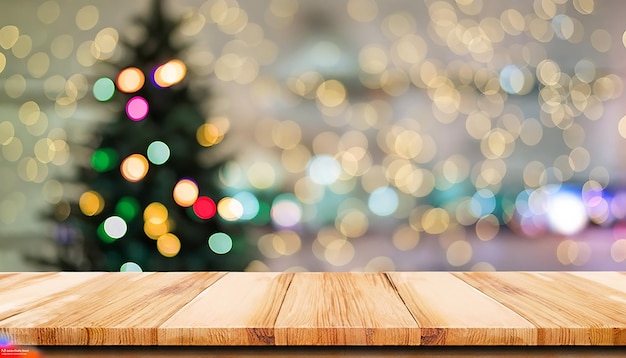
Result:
{"points": [[204, 207]]}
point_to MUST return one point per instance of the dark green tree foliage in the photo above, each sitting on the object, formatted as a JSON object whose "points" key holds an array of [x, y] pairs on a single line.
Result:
{"points": [[173, 118]]}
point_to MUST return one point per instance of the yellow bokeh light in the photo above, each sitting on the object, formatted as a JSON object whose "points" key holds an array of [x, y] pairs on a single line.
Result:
{"points": [[209, 134], [87, 17], [230, 209], [170, 73], [168, 245], [261, 175], [155, 213], [91, 203], [7, 132], [435, 221], [459, 253], [331, 93], [353, 224], [130, 80], [362, 10], [8, 36], [134, 167], [185, 192], [405, 238], [155, 230]]}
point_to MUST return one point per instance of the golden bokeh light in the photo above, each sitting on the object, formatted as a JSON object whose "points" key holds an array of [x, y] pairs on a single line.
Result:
{"points": [[209, 134], [91, 203], [185, 192], [168, 245], [134, 167]]}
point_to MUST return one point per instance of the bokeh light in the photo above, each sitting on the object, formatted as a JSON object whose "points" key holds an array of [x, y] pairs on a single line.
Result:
{"points": [[220, 243], [383, 201], [456, 121], [103, 89], [158, 152], [324, 170], [156, 222], [130, 80], [137, 108], [170, 73], [134, 167], [115, 227], [104, 159], [91, 203], [286, 211], [566, 212], [230, 209], [209, 134], [127, 208], [204, 207], [130, 267], [185, 192], [168, 245], [250, 204]]}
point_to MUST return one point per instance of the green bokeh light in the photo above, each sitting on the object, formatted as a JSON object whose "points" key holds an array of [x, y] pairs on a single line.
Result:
{"points": [[104, 159], [103, 89], [130, 267], [127, 208], [220, 243], [158, 152], [102, 234]]}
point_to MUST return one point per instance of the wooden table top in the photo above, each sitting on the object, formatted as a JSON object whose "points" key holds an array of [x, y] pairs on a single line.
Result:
{"points": [[314, 309]]}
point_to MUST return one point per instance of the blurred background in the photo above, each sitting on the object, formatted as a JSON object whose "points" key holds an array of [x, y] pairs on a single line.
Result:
{"points": [[343, 135]]}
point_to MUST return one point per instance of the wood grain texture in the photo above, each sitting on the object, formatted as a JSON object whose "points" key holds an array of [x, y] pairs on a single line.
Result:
{"points": [[565, 311], [240, 309], [314, 309], [344, 309], [111, 309], [21, 292], [450, 312]]}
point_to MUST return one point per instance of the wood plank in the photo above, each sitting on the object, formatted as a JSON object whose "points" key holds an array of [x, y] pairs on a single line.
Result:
{"points": [[119, 308], [240, 309], [22, 291], [615, 280], [564, 313], [344, 309], [451, 312], [333, 352]]}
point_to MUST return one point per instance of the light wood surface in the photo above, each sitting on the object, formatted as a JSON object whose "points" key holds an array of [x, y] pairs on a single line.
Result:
{"points": [[344, 309], [314, 309]]}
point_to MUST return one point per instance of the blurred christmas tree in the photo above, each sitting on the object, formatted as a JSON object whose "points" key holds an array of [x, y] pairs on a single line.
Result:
{"points": [[150, 191]]}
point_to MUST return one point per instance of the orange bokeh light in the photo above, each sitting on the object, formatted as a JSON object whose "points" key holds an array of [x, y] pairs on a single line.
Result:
{"points": [[130, 80], [134, 167], [170, 73]]}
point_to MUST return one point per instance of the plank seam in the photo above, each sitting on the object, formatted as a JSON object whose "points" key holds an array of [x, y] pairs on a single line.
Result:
{"points": [[395, 289], [282, 302], [159, 326]]}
